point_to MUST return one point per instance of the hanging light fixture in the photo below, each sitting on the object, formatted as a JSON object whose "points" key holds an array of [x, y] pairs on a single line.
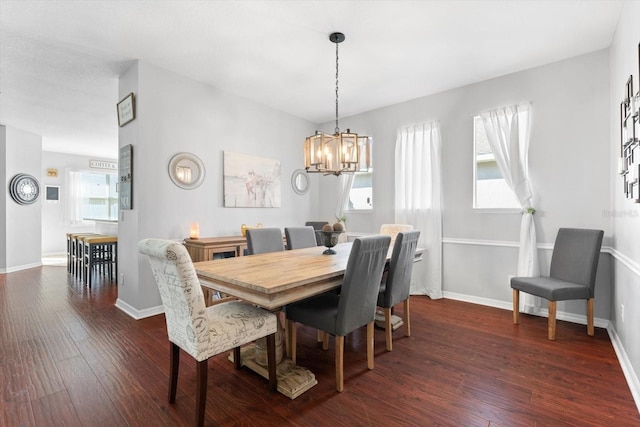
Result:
{"points": [[342, 152]]}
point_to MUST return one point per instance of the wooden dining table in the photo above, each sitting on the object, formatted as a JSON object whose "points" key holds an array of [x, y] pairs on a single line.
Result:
{"points": [[273, 280]]}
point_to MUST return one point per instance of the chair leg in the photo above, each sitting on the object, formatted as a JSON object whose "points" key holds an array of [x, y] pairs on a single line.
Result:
{"points": [[516, 306], [407, 318], [387, 328], [201, 391], [552, 320], [174, 364], [339, 363], [287, 338], [590, 330], [325, 341], [292, 334], [237, 358], [271, 361], [370, 344]]}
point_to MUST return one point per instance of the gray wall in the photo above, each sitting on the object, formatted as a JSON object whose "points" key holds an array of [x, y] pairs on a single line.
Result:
{"points": [[22, 235], [177, 114], [569, 173], [54, 227], [625, 215]]}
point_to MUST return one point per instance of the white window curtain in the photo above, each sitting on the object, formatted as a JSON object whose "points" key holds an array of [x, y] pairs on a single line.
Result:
{"points": [[508, 132], [73, 199], [344, 188], [418, 183]]}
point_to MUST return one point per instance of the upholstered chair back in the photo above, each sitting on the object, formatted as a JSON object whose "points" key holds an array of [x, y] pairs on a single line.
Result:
{"points": [[300, 237], [263, 240], [575, 256], [181, 294], [398, 284], [361, 283]]}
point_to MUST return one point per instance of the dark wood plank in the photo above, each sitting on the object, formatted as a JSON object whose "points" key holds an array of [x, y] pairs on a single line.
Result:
{"points": [[68, 356]]}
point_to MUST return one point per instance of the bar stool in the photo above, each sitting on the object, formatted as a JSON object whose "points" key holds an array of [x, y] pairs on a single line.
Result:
{"points": [[74, 252], [100, 253]]}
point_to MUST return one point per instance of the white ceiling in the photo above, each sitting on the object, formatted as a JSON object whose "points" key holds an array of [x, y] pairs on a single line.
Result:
{"points": [[60, 60]]}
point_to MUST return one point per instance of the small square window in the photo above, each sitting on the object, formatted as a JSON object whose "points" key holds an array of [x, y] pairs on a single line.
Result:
{"points": [[52, 194]]}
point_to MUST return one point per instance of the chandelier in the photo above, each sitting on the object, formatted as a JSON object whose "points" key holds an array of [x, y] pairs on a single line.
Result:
{"points": [[342, 152]]}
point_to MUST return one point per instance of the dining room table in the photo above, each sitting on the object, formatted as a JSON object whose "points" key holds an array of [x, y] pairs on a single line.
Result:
{"points": [[273, 280]]}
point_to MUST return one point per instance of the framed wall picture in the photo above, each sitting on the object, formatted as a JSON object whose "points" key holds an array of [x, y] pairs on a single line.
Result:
{"points": [[126, 110], [250, 181], [52, 193]]}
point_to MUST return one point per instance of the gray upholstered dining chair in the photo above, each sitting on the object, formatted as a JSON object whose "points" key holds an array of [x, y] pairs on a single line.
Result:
{"points": [[202, 332], [263, 240], [353, 308], [574, 264], [300, 237], [317, 225], [396, 288]]}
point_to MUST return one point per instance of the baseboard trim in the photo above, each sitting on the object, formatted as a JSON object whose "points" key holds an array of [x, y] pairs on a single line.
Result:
{"points": [[20, 267], [560, 315], [625, 364], [138, 314]]}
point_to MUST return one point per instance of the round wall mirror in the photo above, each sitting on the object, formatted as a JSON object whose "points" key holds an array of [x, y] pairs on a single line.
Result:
{"points": [[300, 181], [186, 170]]}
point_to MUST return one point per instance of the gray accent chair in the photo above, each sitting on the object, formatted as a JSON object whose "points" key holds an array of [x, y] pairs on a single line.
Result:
{"points": [[203, 332], [574, 264], [263, 240], [300, 237], [353, 308], [317, 225], [397, 286]]}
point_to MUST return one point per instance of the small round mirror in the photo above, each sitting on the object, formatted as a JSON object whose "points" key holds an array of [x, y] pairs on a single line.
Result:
{"points": [[186, 170], [300, 181]]}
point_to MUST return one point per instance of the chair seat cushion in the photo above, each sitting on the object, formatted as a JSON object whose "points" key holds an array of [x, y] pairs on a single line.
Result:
{"points": [[550, 288], [234, 323], [319, 312]]}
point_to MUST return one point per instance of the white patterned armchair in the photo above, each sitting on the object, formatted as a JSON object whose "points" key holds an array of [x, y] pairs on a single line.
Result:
{"points": [[202, 331]]}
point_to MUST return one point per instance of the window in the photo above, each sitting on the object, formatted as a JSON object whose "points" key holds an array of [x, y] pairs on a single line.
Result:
{"points": [[92, 196], [361, 193], [490, 190]]}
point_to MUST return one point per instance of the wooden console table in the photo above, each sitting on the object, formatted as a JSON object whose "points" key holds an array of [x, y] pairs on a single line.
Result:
{"points": [[204, 249]]}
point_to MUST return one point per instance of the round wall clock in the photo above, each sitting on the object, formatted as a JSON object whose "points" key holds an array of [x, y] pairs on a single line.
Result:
{"points": [[24, 189]]}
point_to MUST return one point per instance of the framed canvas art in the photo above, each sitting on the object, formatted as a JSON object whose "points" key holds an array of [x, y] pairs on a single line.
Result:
{"points": [[250, 181]]}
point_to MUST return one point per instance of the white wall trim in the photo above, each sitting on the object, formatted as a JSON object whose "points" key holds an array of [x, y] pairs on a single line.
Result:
{"points": [[138, 314], [628, 262], [498, 243], [20, 267], [625, 364]]}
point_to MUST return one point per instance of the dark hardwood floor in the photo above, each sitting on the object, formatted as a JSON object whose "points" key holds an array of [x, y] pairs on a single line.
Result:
{"points": [[68, 357]]}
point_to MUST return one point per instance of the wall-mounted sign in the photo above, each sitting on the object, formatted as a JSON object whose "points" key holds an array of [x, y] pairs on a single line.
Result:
{"points": [[100, 164], [125, 181], [126, 110], [52, 172]]}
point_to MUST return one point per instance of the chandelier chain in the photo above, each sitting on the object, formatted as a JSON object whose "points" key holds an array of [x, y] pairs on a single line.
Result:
{"points": [[337, 130]]}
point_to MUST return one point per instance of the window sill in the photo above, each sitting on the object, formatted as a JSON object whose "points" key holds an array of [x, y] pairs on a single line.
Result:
{"points": [[358, 211]]}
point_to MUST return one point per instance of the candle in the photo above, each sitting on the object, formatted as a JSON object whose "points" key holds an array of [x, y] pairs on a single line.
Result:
{"points": [[194, 231]]}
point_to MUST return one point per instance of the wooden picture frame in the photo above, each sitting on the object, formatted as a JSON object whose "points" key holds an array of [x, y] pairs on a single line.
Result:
{"points": [[126, 110]]}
